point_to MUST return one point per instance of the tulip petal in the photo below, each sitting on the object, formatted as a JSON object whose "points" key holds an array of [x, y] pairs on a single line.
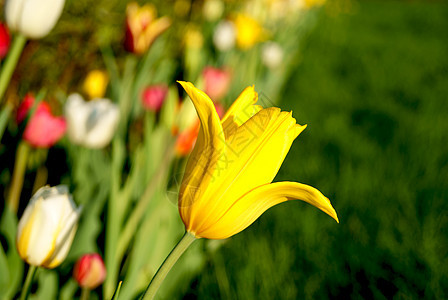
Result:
{"points": [[240, 111], [249, 207], [205, 155], [253, 157]]}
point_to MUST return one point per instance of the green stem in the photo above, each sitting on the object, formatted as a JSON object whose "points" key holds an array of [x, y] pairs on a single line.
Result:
{"points": [[85, 294], [140, 209], [169, 262], [28, 280], [18, 175], [4, 116], [11, 62]]}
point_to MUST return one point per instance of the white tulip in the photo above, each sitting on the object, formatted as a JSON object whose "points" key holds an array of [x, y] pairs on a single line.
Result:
{"points": [[224, 36], [33, 18], [91, 124], [272, 55], [47, 227]]}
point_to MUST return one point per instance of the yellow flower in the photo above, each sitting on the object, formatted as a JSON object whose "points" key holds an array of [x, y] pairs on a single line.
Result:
{"points": [[227, 182], [142, 27], [95, 84], [248, 31]]}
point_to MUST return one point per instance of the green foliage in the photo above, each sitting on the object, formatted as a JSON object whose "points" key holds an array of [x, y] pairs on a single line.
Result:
{"points": [[372, 86]]}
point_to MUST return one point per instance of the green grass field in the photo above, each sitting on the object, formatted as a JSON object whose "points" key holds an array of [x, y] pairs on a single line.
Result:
{"points": [[372, 86]]}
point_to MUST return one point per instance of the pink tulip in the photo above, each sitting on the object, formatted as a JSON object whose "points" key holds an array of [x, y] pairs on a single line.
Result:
{"points": [[43, 129], [217, 82], [90, 271], [5, 40], [154, 96]]}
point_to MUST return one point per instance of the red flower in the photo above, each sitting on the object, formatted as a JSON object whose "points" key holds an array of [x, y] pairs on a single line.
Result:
{"points": [[154, 96], [5, 40], [217, 82], [43, 129], [90, 271]]}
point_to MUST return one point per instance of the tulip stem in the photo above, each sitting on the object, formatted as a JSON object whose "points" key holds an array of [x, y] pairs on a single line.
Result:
{"points": [[11, 62], [29, 278], [18, 175], [85, 294], [166, 266]]}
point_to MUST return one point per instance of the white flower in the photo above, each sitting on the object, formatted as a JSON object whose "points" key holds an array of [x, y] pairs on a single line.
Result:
{"points": [[91, 124], [224, 36], [33, 18], [272, 55], [47, 227]]}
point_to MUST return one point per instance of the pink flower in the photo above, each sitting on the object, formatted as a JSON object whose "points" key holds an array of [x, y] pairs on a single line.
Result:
{"points": [[217, 82], [90, 271], [154, 96], [43, 129], [5, 40]]}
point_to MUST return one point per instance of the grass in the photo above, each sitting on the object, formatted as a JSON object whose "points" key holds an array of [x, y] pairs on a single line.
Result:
{"points": [[372, 86]]}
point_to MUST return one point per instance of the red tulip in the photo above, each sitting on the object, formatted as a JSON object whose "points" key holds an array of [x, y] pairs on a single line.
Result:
{"points": [[217, 82], [5, 40], [90, 271], [43, 129], [154, 96]]}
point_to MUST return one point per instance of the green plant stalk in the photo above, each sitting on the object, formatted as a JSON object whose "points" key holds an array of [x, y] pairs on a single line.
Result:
{"points": [[112, 223], [28, 280], [18, 175], [85, 294], [10, 63], [4, 117], [166, 266], [139, 211]]}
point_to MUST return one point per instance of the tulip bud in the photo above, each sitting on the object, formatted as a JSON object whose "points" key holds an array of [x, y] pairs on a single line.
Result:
{"points": [[154, 96], [33, 18], [47, 227], [43, 129], [248, 32], [5, 40], [142, 27], [90, 271], [272, 55], [217, 82], [95, 84], [224, 36], [91, 124], [187, 139]]}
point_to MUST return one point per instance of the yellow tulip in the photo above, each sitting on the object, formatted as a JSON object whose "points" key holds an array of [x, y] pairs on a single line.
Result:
{"points": [[227, 182], [248, 32], [95, 84], [47, 227]]}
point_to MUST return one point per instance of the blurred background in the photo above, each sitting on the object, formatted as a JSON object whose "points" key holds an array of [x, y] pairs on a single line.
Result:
{"points": [[370, 78]]}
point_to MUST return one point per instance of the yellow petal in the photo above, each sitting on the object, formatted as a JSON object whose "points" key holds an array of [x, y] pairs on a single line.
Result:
{"points": [[240, 111], [254, 154], [205, 155], [249, 207]]}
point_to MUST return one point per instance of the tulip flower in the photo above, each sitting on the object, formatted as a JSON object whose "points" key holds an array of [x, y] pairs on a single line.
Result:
{"points": [[248, 32], [33, 18], [142, 27], [154, 96], [227, 182], [91, 124], [90, 271], [43, 130], [5, 40], [272, 55], [95, 84], [224, 36], [47, 227], [217, 82]]}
